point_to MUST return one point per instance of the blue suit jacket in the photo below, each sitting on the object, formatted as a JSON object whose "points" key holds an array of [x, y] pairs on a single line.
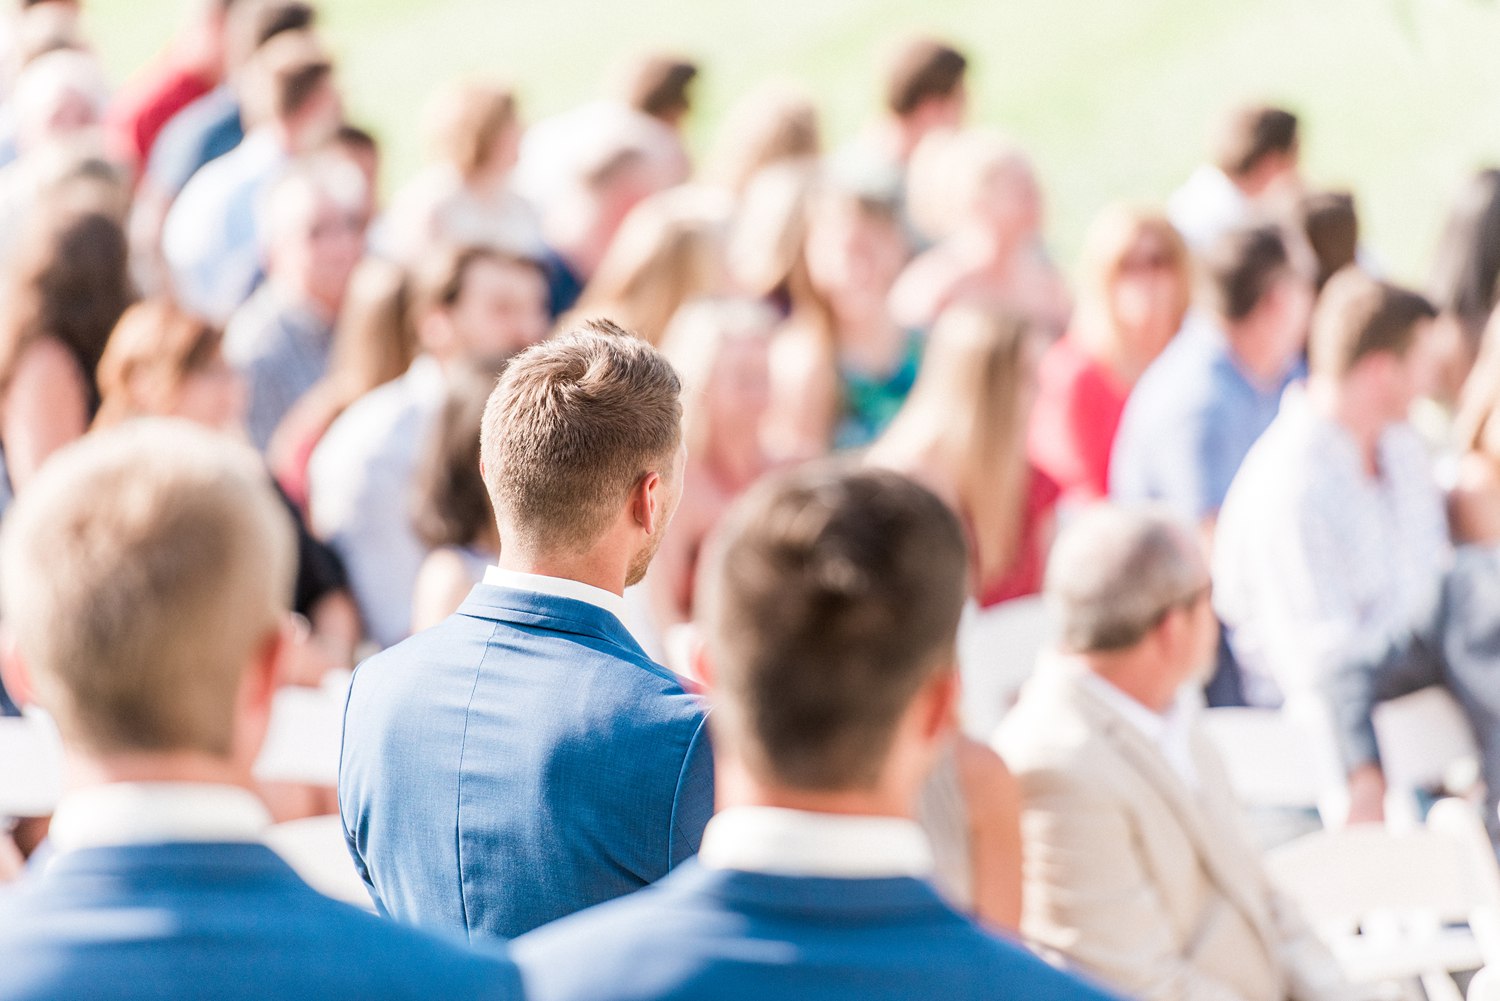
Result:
{"points": [[216, 921], [520, 761], [739, 936]]}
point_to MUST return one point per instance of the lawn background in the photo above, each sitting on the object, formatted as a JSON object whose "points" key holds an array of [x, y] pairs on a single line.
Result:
{"points": [[1113, 98]]}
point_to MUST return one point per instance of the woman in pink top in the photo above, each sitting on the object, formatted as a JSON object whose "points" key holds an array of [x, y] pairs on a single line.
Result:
{"points": [[1134, 286]]}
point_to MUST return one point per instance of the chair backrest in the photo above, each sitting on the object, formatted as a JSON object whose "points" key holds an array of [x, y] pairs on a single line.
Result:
{"points": [[1424, 739], [1267, 754], [30, 765], [997, 650], [315, 848], [1443, 872], [1485, 986], [306, 732]]}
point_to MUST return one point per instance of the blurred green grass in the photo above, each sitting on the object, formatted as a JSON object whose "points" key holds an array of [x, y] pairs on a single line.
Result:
{"points": [[1114, 98]]}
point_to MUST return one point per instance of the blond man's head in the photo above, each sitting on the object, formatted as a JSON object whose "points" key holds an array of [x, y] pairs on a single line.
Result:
{"points": [[574, 426], [140, 573]]}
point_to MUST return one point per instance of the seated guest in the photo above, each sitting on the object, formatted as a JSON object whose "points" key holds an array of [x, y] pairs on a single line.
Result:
{"points": [[831, 605], [962, 434], [464, 196], [524, 759], [161, 362], [670, 249], [192, 65], [720, 349], [922, 91], [146, 579], [1334, 534], [205, 130], [1255, 160], [987, 218], [841, 366], [281, 338], [1196, 411], [375, 341], [474, 308], [1136, 868], [452, 509], [1136, 280], [212, 240], [772, 125]]}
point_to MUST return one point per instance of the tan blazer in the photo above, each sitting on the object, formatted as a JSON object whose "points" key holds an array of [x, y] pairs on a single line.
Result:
{"points": [[1135, 877]]}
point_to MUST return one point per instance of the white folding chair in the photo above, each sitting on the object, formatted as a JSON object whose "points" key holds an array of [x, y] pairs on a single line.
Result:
{"points": [[997, 651], [1426, 742], [1389, 903], [1266, 753], [30, 765], [303, 741], [1485, 986], [314, 847]]}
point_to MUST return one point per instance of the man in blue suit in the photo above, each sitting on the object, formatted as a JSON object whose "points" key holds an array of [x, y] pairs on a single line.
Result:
{"points": [[524, 759], [831, 606], [146, 576]]}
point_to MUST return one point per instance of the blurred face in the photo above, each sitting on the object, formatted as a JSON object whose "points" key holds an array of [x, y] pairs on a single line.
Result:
{"points": [[849, 249], [739, 390], [1290, 302], [1146, 296], [502, 155], [1415, 375], [1011, 199], [321, 256], [214, 396], [501, 310]]}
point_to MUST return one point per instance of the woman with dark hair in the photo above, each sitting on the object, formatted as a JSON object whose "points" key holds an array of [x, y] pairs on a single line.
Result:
{"points": [[62, 294], [452, 513], [1465, 273]]}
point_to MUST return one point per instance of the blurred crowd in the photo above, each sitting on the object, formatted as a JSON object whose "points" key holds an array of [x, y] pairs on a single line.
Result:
{"points": [[210, 242]]}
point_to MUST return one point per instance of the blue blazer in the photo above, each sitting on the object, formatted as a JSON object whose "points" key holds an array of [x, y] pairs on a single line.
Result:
{"points": [[227, 922], [520, 761], [740, 936]]}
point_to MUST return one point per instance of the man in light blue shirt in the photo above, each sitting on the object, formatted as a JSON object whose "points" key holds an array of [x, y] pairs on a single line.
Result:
{"points": [[211, 238], [1200, 406]]}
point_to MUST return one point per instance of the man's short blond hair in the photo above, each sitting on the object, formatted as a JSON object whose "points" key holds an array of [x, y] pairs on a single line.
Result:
{"points": [[139, 573], [571, 428]]}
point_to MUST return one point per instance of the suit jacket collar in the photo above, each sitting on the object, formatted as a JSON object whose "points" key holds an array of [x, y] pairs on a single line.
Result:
{"points": [[564, 615], [891, 896], [1221, 848], [128, 869]]}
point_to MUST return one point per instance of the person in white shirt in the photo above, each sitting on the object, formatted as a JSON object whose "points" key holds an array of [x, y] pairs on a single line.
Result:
{"points": [[212, 239], [1135, 865], [1333, 536], [147, 577], [831, 604], [1255, 158], [475, 307]]}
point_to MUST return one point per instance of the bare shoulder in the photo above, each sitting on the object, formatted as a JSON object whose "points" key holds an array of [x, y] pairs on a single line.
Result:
{"points": [[983, 775], [1474, 501]]}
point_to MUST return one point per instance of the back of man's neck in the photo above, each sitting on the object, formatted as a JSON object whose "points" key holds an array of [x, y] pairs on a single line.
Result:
{"points": [[85, 771], [583, 571]]}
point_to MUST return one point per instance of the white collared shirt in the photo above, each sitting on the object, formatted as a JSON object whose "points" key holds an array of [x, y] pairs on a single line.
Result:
{"points": [[782, 842], [143, 813], [1170, 732], [558, 587]]}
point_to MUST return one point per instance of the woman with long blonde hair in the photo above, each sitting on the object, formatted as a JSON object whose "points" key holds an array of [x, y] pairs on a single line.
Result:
{"points": [[962, 433], [1135, 282], [670, 249]]}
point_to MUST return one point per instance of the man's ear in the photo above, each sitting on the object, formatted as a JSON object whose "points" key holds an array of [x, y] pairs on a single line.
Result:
{"points": [[14, 674], [646, 502], [940, 698]]}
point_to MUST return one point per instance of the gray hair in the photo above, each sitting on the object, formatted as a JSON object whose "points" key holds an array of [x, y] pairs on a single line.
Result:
{"points": [[1116, 571]]}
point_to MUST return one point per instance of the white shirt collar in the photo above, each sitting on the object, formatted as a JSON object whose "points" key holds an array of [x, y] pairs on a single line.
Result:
{"points": [[558, 587], [1171, 731], [139, 813], [785, 842]]}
